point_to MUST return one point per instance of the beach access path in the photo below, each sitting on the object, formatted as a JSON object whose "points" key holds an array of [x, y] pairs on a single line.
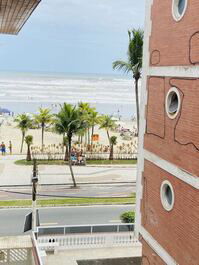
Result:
{"points": [[20, 175]]}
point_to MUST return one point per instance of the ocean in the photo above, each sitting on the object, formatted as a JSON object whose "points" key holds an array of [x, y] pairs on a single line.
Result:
{"points": [[26, 92]]}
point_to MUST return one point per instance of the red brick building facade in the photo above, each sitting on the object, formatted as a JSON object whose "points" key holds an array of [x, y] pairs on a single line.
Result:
{"points": [[168, 167]]}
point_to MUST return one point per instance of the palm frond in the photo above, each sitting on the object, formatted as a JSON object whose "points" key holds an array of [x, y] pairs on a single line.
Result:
{"points": [[135, 49], [122, 65]]}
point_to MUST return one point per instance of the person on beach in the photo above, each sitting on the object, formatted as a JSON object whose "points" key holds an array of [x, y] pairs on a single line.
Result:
{"points": [[3, 148], [10, 147], [79, 157]]}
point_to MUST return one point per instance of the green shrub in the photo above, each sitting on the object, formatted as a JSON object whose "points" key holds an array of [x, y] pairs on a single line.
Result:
{"points": [[128, 217]]}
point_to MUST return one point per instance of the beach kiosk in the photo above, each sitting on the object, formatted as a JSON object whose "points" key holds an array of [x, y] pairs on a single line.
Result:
{"points": [[95, 137]]}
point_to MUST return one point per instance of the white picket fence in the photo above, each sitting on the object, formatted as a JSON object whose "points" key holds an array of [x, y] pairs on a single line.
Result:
{"points": [[79, 241]]}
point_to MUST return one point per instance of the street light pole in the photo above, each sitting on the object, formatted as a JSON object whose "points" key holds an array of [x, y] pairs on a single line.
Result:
{"points": [[34, 195]]}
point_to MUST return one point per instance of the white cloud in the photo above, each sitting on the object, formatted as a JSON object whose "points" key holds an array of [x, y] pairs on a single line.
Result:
{"points": [[73, 36], [92, 14]]}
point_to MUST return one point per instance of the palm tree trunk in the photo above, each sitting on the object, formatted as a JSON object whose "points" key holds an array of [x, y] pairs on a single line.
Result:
{"points": [[63, 143], [70, 163], [92, 133], [137, 103], [108, 137], [85, 137], [111, 153], [88, 136], [28, 157], [42, 137], [23, 136], [66, 153]]}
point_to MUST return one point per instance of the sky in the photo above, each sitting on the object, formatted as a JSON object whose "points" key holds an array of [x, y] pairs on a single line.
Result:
{"points": [[72, 36]]}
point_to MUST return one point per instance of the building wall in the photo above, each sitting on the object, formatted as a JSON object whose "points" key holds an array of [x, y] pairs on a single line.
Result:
{"points": [[169, 147], [177, 140], [177, 231], [150, 257], [174, 43]]}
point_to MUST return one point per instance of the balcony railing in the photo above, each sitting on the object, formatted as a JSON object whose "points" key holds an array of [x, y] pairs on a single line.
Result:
{"points": [[86, 236]]}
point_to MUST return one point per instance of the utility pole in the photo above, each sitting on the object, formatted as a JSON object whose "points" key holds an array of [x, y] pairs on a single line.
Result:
{"points": [[34, 195]]}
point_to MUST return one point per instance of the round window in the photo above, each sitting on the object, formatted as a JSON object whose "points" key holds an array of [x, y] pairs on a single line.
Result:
{"points": [[179, 8], [172, 102], [167, 195]]}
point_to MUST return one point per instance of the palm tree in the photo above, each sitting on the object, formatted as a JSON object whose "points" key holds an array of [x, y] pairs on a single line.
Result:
{"points": [[81, 134], [29, 141], [113, 141], [93, 120], [24, 123], [69, 121], [108, 124], [43, 118], [134, 63], [84, 107], [85, 111], [60, 129]]}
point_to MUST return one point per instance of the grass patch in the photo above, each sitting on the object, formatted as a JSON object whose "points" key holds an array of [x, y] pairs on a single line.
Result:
{"points": [[16, 203], [68, 201], [23, 162]]}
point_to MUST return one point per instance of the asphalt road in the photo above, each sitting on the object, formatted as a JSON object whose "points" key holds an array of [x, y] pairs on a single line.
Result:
{"points": [[12, 220], [101, 190]]}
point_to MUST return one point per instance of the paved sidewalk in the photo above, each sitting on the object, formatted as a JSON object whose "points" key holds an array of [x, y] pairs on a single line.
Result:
{"points": [[11, 174]]}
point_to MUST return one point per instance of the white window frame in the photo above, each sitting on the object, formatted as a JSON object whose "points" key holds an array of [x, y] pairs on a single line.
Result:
{"points": [[167, 102], [168, 207], [176, 15]]}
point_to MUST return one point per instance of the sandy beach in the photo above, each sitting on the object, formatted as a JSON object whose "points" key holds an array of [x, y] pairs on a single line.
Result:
{"points": [[9, 132]]}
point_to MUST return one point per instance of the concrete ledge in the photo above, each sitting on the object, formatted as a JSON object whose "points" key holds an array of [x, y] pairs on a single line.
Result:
{"points": [[126, 261], [71, 257]]}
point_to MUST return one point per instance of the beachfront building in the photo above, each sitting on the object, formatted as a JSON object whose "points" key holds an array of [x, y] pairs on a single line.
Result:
{"points": [[14, 14], [168, 183]]}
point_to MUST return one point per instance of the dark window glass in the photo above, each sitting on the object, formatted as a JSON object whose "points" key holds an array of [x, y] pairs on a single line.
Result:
{"points": [[78, 230], [104, 229], [168, 194], [173, 107], [126, 228], [51, 231], [181, 6]]}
